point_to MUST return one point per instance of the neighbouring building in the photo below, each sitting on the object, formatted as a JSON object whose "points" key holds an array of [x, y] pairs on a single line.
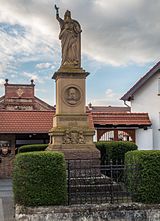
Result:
{"points": [[145, 97], [118, 124], [26, 119]]}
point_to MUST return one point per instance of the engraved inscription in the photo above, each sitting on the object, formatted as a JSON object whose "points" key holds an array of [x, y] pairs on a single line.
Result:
{"points": [[72, 118], [72, 124]]}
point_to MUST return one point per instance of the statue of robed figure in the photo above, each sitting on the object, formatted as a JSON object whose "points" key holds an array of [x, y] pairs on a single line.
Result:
{"points": [[70, 36]]}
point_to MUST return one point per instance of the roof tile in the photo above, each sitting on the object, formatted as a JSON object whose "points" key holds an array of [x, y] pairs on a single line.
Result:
{"points": [[41, 121], [121, 118]]}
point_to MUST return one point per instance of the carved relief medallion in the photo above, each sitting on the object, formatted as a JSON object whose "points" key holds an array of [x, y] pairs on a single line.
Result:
{"points": [[72, 95]]}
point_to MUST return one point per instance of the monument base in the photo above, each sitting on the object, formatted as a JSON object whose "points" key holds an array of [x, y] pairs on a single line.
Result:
{"points": [[76, 151], [81, 160], [75, 142]]}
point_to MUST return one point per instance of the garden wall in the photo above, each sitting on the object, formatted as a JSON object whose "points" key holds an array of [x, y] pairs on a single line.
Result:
{"points": [[105, 212]]}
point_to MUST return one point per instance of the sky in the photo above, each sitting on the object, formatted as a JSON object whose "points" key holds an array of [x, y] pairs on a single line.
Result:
{"points": [[120, 43]]}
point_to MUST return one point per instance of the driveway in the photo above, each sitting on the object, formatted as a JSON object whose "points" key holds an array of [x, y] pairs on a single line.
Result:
{"points": [[6, 200]]}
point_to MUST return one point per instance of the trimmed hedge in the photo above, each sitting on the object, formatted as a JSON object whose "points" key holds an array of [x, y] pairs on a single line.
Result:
{"points": [[114, 150], [148, 182], [32, 147], [39, 179]]}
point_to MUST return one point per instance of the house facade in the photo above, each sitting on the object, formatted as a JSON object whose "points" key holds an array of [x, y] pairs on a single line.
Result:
{"points": [[145, 97]]}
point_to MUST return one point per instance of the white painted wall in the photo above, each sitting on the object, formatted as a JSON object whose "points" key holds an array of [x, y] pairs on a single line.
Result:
{"points": [[146, 99], [95, 136], [144, 139]]}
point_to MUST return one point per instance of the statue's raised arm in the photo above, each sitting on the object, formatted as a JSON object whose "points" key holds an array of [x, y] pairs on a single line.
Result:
{"points": [[70, 36], [57, 10]]}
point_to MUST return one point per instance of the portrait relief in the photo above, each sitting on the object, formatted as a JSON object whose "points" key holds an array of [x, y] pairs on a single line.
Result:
{"points": [[72, 95]]}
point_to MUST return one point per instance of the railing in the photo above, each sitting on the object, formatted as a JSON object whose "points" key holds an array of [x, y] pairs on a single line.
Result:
{"points": [[92, 183]]}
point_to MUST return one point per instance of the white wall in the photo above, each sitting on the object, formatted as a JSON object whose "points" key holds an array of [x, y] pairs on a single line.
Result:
{"points": [[144, 139], [95, 136], [147, 100]]}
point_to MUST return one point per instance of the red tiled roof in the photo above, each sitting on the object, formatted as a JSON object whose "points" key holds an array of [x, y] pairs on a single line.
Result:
{"points": [[29, 121], [41, 121], [109, 109], [26, 121], [114, 118]]}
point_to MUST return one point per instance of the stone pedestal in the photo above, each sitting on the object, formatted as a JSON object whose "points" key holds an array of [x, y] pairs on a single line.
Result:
{"points": [[72, 133]]}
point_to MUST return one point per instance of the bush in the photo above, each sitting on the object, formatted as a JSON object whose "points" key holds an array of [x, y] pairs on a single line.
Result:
{"points": [[148, 183], [39, 179], [114, 150], [32, 147]]}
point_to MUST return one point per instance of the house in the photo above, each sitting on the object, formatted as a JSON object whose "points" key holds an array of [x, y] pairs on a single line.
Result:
{"points": [[145, 97], [23, 116], [24, 119], [117, 123]]}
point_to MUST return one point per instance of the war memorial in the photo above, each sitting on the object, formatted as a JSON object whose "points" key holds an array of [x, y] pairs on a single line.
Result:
{"points": [[72, 132], [46, 189]]}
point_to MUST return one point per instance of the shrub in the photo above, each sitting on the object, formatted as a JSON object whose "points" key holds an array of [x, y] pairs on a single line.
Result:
{"points": [[39, 179], [114, 150], [32, 147], [148, 183]]}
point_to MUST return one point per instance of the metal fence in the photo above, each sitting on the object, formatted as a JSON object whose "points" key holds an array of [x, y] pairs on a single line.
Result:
{"points": [[89, 182]]}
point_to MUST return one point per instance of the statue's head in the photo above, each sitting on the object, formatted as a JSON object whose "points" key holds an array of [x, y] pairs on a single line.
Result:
{"points": [[67, 15]]}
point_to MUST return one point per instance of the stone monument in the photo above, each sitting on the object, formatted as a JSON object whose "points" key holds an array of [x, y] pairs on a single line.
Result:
{"points": [[72, 133]]}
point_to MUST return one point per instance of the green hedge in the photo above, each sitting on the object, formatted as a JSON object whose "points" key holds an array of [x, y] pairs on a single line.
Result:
{"points": [[32, 147], [114, 150], [147, 178], [39, 179]]}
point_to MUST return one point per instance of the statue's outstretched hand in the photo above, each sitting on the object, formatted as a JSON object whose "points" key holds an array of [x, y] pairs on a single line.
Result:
{"points": [[56, 8]]}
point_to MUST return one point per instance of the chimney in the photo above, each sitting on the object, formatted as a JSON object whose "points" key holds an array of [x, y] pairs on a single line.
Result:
{"points": [[90, 106]]}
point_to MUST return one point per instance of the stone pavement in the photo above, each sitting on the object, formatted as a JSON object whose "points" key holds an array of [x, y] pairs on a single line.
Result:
{"points": [[6, 200]]}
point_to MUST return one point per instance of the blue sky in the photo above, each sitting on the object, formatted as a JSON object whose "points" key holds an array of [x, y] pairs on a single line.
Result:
{"points": [[120, 43]]}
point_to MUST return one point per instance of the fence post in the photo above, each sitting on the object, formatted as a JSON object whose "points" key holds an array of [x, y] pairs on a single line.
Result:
{"points": [[68, 181], [111, 168]]}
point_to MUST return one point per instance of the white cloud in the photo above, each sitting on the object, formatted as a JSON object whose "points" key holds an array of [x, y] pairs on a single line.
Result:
{"points": [[41, 90], [15, 50], [43, 65], [110, 98], [26, 34], [110, 94], [114, 32], [31, 76], [38, 79], [2, 81], [1, 69], [119, 32]]}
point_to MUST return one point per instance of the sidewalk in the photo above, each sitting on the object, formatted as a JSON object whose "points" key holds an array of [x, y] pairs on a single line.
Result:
{"points": [[6, 200]]}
